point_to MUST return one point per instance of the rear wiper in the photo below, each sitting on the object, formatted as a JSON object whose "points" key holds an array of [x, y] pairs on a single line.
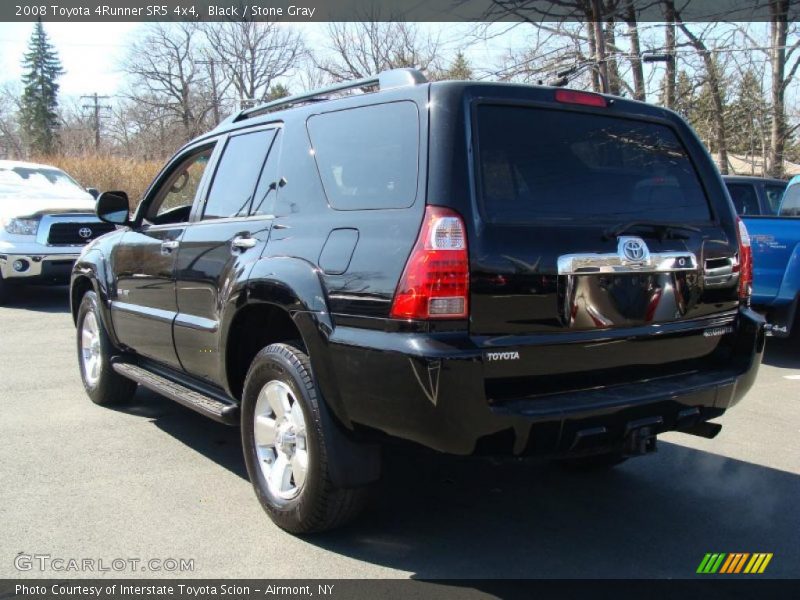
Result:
{"points": [[663, 229]]}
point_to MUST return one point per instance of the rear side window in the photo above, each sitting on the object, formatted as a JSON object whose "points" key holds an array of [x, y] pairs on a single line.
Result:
{"points": [[790, 207], [368, 156], [744, 198], [774, 196], [561, 165], [232, 190]]}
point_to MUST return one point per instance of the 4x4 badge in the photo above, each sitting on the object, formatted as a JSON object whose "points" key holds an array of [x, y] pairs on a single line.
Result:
{"points": [[633, 249]]}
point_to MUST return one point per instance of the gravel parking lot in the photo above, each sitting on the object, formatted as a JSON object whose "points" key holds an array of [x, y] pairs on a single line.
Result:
{"points": [[156, 481]]}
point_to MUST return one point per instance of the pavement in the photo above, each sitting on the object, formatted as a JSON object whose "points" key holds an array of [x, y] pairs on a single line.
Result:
{"points": [[155, 481]]}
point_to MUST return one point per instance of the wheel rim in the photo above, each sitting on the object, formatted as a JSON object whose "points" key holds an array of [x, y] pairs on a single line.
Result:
{"points": [[91, 356], [279, 428]]}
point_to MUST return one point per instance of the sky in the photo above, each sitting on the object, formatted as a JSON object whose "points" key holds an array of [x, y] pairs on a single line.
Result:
{"points": [[91, 53]]}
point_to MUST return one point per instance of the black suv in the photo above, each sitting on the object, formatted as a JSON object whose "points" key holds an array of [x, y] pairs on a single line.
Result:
{"points": [[474, 267]]}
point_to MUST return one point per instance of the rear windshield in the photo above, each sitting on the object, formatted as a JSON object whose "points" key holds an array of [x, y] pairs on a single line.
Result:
{"points": [[562, 165]]}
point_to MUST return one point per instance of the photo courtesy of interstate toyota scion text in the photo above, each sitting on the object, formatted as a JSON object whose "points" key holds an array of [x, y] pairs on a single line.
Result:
{"points": [[475, 268]]}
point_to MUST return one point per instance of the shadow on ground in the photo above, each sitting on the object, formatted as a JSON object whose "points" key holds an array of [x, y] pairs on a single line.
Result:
{"points": [[784, 353], [45, 299], [445, 517]]}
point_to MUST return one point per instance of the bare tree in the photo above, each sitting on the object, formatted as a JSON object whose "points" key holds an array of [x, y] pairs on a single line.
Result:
{"points": [[11, 145], [361, 49], [639, 92], [254, 54], [779, 57], [715, 86], [165, 74], [75, 133], [142, 129], [669, 48]]}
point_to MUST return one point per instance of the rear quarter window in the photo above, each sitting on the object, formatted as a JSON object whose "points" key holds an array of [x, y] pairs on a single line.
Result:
{"points": [[368, 157], [564, 166]]}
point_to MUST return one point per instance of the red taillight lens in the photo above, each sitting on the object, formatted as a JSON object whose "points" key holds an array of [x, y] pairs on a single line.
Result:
{"points": [[435, 282], [745, 261], [584, 98]]}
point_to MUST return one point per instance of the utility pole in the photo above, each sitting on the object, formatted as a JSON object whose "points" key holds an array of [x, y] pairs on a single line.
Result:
{"points": [[96, 107], [213, 72]]}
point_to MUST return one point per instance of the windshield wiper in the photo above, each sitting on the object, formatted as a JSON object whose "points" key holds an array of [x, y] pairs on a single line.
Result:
{"points": [[663, 229]]}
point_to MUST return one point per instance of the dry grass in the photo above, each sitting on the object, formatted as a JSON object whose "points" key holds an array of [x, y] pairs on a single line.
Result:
{"points": [[108, 172]]}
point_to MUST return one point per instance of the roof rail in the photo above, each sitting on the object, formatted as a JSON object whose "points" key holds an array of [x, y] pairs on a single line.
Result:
{"points": [[386, 80]]}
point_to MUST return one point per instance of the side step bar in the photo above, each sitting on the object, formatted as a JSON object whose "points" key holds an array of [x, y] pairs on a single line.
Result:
{"points": [[213, 408]]}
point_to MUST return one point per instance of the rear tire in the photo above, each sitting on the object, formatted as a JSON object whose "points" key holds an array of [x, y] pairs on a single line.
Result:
{"points": [[288, 446], [593, 462], [102, 383]]}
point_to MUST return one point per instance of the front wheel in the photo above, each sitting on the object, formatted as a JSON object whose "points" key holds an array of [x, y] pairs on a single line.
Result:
{"points": [[102, 383], [4, 291], [288, 445]]}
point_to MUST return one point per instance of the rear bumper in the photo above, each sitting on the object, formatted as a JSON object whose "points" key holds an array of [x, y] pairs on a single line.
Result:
{"points": [[37, 268], [431, 390]]}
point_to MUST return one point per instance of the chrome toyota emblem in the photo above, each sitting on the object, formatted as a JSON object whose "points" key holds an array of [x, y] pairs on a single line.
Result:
{"points": [[633, 249], [85, 232]]}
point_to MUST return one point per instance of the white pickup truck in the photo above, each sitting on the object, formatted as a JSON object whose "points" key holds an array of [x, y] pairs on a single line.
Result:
{"points": [[46, 217]]}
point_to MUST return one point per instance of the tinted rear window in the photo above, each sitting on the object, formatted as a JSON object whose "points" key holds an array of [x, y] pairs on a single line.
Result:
{"points": [[367, 157], [562, 165], [231, 193]]}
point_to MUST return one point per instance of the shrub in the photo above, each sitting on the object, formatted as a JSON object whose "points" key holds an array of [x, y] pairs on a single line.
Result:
{"points": [[108, 172]]}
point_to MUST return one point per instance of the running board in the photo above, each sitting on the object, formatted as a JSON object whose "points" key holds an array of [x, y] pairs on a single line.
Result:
{"points": [[227, 413]]}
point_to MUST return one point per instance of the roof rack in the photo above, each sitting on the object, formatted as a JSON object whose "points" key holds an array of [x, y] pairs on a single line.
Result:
{"points": [[386, 80]]}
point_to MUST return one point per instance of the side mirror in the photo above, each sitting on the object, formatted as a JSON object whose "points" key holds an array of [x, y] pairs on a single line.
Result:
{"points": [[113, 207], [94, 192]]}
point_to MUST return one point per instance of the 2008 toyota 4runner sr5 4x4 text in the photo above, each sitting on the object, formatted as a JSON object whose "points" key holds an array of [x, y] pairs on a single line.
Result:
{"points": [[476, 268]]}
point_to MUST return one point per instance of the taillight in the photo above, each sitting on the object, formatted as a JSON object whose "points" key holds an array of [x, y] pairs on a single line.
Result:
{"points": [[745, 261], [435, 282], [578, 97]]}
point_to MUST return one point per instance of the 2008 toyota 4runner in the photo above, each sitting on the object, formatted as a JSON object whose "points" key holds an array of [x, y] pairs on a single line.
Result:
{"points": [[474, 267]]}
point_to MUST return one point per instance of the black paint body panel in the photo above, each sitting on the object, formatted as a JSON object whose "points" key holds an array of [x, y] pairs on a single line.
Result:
{"points": [[334, 273]]}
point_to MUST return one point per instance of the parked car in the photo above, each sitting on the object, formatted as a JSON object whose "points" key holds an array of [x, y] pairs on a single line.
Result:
{"points": [[776, 262], [753, 196], [473, 267], [45, 218]]}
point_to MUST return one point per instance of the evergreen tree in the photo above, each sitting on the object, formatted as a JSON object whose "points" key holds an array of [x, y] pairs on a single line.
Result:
{"points": [[277, 91], [749, 121], [39, 103], [460, 68], [684, 102]]}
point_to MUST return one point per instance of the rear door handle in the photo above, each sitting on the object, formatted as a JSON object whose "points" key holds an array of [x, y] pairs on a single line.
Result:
{"points": [[169, 246], [243, 243]]}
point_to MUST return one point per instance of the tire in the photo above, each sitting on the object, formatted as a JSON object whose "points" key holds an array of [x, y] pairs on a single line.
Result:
{"points": [[103, 385], [594, 462], [290, 467], [5, 292]]}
